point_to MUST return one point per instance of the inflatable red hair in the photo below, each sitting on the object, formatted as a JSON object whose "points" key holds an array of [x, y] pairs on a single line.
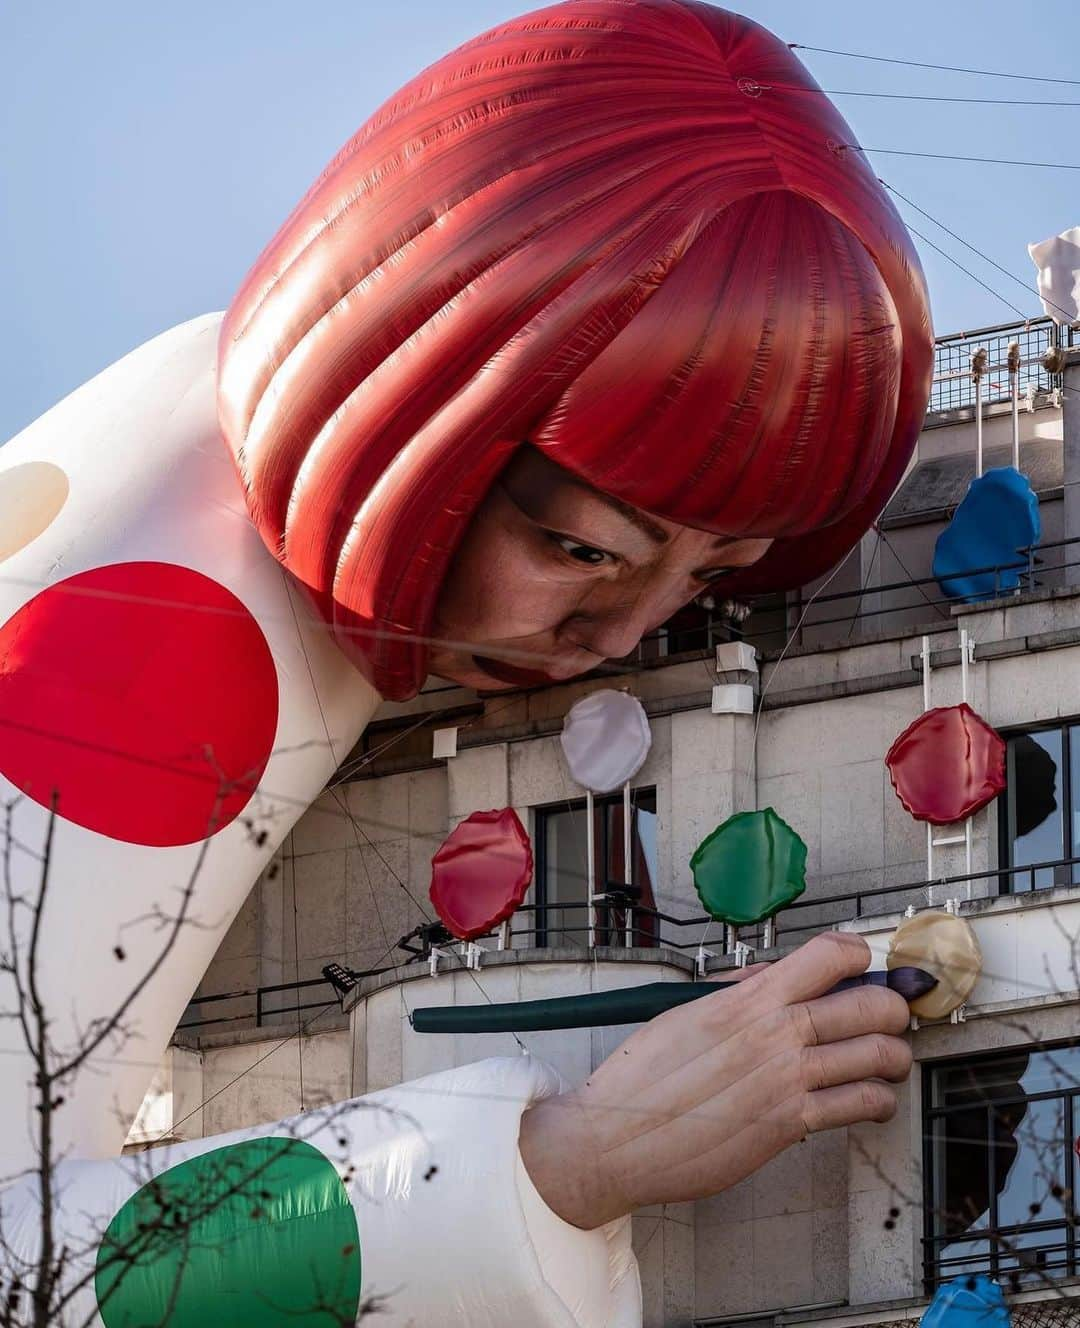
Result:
{"points": [[625, 231]]}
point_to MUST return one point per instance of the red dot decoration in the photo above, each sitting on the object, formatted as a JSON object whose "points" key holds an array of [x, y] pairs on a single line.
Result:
{"points": [[947, 765], [481, 873], [143, 697]]}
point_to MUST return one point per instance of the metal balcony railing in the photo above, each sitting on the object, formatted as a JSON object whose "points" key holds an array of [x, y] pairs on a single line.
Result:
{"points": [[844, 611], [618, 923]]}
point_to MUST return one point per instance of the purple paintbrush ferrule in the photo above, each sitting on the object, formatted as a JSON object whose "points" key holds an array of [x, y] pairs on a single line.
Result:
{"points": [[909, 982]]}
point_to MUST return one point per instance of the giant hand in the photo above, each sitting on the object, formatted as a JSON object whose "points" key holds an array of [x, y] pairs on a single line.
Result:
{"points": [[709, 1092]]}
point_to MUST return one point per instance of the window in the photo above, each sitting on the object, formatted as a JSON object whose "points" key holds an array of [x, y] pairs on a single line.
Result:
{"points": [[1039, 812], [564, 916], [999, 1139]]}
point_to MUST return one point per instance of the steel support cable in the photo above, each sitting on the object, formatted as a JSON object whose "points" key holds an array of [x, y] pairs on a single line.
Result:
{"points": [[986, 161], [922, 64], [1032, 290]]}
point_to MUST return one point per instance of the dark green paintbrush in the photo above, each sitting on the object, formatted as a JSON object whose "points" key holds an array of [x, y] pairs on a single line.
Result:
{"points": [[631, 1005]]}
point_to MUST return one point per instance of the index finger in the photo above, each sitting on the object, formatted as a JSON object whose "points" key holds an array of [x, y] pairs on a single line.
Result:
{"points": [[727, 977], [812, 969]]}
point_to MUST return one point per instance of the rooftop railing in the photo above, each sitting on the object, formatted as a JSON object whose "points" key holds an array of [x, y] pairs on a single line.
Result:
{"points": [[953, 387]]}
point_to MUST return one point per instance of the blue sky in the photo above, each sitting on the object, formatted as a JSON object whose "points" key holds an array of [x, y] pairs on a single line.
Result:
{"points": [[148, 151]]}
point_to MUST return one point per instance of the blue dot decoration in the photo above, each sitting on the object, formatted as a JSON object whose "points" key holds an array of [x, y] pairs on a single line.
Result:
{"points": [[968, 1302], [998, 515]]}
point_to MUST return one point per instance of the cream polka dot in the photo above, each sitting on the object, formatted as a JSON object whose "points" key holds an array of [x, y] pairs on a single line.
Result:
{"points": [[31, 496], [946, 947]]}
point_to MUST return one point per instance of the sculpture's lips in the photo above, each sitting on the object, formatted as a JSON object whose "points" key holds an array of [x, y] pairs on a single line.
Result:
{"points": [[512, 674]]}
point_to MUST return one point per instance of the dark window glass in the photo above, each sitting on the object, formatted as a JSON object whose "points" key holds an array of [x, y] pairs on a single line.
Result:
{"points": [[1038, 822], [1074, 799], [1053, 1070], [1001, 1165], [562, 844], [962, 1179], [563, 837], [1041, 815]]}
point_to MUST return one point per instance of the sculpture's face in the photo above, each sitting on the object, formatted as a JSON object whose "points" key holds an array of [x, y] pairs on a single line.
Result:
{"points": [[553, 577]]}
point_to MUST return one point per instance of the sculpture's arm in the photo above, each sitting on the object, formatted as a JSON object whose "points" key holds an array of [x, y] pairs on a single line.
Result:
{"points": [[413, 1200], [161, 676]]}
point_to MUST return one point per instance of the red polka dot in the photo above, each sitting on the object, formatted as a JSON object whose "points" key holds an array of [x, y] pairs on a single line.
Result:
{"points": [[143, 697], [481, 873]]}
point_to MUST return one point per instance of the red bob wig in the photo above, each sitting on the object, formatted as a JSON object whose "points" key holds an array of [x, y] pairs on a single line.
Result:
{"points": [[625, 231]]}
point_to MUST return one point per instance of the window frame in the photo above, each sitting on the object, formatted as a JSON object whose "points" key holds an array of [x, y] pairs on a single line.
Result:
{"points": [[1005, 803], [541, 939], [932, 1276]]}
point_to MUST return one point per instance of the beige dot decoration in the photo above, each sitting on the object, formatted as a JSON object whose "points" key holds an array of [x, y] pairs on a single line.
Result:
{"points": [[945, 946], [31, 496]]}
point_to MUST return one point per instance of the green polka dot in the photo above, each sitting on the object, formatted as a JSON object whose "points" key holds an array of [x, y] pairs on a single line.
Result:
{"points": [[255, 1235], [749, 868]]}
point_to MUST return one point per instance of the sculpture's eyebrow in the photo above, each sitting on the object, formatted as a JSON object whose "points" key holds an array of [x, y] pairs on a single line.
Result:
{"points": [[634, 515]]}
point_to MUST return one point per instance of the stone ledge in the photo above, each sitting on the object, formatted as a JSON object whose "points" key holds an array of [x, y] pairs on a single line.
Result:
{"points": [[334, 1021], [661, 956], [885, 1313], [1006, 903]]}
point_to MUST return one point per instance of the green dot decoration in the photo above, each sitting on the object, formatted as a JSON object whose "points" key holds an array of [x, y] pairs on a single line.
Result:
{"points": [[749, 867], [259, 1234]]}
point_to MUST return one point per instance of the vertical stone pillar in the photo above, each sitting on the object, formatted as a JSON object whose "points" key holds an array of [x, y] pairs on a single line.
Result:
{"points": [[885, 1186], [664, 1245]]}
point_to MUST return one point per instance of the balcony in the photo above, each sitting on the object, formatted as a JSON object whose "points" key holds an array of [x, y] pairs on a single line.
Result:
{"points": [[615, 930]]}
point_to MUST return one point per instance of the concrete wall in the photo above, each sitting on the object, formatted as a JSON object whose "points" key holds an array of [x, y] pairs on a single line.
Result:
{"points": [[778, 1238], [953, 439], [226, 1081], [172, 1108], [350, 880]]}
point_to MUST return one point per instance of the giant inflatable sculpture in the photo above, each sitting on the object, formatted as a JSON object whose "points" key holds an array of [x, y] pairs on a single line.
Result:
{"points": [[590, 315]]}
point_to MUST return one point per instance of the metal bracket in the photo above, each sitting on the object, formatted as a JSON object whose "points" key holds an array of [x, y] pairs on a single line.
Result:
{"points": [[700, 961], [434, 955], [471, 953], [952, 906], [959, 1015], [743, 954]]}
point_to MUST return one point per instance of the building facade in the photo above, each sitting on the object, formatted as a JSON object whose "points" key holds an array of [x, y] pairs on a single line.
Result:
{"points": [[978, 1170]]}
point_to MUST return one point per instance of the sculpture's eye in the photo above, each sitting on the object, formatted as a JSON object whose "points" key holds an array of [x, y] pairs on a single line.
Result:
{"points": [[582, 553]]}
